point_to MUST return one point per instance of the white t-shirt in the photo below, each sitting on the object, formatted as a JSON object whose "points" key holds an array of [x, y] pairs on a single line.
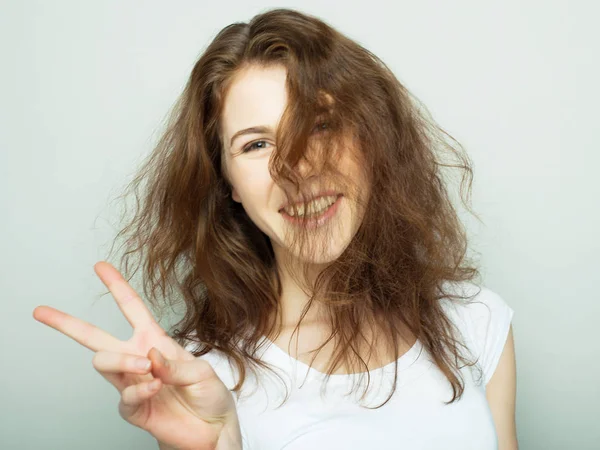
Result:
{"points": [[415, 418]]}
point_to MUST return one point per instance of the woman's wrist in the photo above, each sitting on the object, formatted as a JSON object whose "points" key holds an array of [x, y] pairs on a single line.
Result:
{"points": [[229, 439], [162, 446], [231, 435]]}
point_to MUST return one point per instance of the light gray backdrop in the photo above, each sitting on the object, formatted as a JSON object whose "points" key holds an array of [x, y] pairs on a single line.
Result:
{"points": [[86, 85]]}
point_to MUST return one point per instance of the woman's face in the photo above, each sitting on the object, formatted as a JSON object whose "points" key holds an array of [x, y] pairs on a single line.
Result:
{"points": [[257, 98]]}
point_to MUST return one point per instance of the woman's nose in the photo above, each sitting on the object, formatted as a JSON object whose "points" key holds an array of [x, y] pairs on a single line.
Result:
{"points": [[310, 162]]}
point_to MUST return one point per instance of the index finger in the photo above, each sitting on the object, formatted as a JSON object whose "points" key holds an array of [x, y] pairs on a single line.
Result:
{"points": [[129, 302], [83, 332]]}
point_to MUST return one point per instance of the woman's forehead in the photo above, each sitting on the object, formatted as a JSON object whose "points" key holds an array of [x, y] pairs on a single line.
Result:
{"points": [[256, 97]]}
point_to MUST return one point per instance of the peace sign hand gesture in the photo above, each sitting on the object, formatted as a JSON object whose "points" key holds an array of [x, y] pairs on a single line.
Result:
{"points": [[177, 398]]}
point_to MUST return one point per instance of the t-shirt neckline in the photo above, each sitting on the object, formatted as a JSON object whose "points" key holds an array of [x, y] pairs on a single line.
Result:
{"points": [[404, 362]]}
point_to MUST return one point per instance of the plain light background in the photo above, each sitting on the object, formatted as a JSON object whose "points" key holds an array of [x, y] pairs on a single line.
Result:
{"points": [[85, 87]]}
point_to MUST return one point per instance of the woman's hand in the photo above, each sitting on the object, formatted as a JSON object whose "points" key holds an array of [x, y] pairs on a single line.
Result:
{"points": [[177, 398]]}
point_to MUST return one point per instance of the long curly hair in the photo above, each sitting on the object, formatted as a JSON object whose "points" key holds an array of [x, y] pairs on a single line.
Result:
{"points": [[200, 249]]}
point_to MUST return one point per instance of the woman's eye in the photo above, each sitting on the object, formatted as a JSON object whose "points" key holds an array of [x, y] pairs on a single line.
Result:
{"points": [[251, 146], [321, 126]]}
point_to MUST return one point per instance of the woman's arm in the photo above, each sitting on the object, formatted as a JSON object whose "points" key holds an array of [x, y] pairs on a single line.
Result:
{"points": [[501, 396]]}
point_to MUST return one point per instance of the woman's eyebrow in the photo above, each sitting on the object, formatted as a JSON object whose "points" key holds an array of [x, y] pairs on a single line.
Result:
{"points": [[252, 130]]}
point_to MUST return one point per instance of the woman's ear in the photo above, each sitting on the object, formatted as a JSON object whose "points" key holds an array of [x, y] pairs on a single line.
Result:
{"points": [[235, 196]]}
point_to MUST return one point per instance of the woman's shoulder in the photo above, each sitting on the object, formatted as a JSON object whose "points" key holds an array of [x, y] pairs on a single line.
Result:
{"points": [[475, 299], [483, 319]]}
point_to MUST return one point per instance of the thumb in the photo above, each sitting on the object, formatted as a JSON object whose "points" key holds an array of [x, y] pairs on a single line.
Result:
{"points": [[179, 372]]}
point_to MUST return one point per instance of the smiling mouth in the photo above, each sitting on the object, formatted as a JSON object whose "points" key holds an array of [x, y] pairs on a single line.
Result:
{"points": [[325, 194], [315, 220]]}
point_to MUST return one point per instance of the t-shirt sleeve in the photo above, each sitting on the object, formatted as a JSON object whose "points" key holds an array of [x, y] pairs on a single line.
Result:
{"points": [[494, 328], [219, 363], [485, 323]]}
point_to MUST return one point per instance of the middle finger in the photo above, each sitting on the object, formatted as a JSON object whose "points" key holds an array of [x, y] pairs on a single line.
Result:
{"points": [[128, 301]]}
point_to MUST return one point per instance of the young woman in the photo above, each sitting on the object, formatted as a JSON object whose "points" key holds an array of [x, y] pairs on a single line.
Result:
{"points": [[297, 207]]}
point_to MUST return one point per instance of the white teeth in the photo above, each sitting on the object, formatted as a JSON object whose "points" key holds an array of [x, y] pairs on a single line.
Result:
{"points": [[314, 206]]}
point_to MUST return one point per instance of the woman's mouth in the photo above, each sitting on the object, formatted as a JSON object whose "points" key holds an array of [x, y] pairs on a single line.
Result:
{"points": [[316, 220]]}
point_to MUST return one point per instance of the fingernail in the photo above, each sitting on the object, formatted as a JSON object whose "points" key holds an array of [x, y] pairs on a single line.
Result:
{"points": [[153, 384], [142, 363], [161, 358]]}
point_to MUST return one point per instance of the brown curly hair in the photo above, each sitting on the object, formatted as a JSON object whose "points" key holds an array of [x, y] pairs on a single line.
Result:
{"points": [[202, 251]]}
